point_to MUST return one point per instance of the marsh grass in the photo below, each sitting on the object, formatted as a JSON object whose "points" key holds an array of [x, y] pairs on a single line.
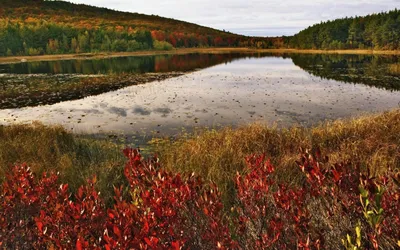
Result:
{"points": [[53, 149], [371, 140], [216, 155]]}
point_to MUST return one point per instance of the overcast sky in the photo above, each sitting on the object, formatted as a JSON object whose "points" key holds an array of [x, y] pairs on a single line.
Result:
{"points": [[251, 17]]}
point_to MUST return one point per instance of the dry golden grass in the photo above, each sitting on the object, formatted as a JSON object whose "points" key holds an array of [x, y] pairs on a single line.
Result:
{"points": [[54, 149], [17, 59], [339, 51], [372, 140]]}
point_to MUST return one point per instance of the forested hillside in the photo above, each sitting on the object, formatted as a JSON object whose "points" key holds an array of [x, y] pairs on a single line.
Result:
{"points": [[36, 27], [376, 31]]}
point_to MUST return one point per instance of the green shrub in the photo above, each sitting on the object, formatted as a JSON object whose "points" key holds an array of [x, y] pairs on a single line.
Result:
{"points": [[162, 45]]}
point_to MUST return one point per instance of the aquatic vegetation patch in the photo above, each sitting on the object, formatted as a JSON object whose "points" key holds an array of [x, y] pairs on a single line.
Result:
{"points": [[18, 91]]}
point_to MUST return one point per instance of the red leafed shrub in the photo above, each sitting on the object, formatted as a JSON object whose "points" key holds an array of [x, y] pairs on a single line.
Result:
{"points": [[21, 199], [66, 223], [390, 229], [165, 210], [38, 213], [339, 197], [271, 215], [370, 204]]}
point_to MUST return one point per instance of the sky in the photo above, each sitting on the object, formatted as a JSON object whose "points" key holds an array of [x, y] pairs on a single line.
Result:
{"points": [[251, 17]]}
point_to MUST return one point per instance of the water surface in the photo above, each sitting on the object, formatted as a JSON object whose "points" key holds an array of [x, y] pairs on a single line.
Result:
{"points": [[133, 64], [230, 90]]}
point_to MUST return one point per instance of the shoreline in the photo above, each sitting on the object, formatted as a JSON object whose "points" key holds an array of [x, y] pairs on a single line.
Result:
{"points": [[103, 55]]}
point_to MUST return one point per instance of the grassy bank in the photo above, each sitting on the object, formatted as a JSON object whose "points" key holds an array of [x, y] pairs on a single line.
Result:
{"points": [[53, 149], [372, 140], [17, 59], [322, 213], [101, 55]]}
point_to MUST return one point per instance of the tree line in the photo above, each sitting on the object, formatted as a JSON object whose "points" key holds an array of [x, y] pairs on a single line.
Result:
{"points": [[376, 31], [37, 27], [37, 37], [50, 38]]}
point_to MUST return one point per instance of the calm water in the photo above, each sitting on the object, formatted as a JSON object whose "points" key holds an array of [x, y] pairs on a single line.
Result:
{"points": [[139, 64], [228, 90]]}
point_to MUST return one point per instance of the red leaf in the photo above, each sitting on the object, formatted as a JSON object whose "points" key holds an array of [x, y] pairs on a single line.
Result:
{"points": [[148, 242], [39, 225], [117, 231], [151, 242], [78, 245], [146, 227], [175, 245]]}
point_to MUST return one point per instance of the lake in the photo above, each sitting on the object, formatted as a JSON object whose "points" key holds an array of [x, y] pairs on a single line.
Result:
{"points": [[217, 90]]}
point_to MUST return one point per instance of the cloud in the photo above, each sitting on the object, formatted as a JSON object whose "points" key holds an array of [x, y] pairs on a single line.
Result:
{"points": [[164, 111], [252, 17], [118, 111], [141, 111]]}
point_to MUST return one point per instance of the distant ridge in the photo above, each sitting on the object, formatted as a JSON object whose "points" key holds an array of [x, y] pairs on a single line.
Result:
{"points": [[38, 27], [65, 12]]}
